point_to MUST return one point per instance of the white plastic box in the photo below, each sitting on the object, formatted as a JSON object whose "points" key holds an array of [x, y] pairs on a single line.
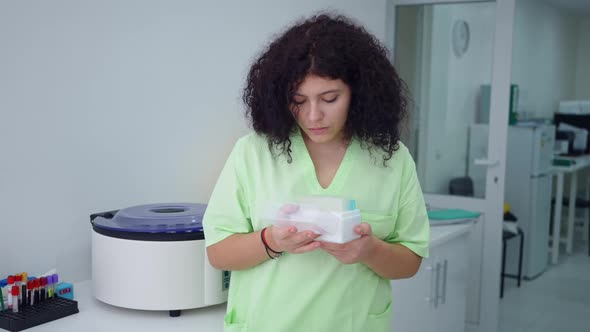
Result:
{"points": [[334, 218]]}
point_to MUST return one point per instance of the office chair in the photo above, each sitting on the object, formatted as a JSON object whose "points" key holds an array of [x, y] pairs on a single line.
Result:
{"points": [[463, 186]]}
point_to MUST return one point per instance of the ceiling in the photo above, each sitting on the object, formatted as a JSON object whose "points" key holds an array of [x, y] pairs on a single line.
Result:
{"points": [[580, 7]]}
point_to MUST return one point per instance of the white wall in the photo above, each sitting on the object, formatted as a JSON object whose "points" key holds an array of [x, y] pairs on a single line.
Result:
{"points": [[543, 56], [583, 61], [109, 104]]}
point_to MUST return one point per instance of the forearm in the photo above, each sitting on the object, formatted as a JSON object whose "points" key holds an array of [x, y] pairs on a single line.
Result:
{"points": [[392, 261], [237, 252]]}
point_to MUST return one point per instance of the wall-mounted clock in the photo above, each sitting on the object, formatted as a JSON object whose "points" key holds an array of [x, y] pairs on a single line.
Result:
{"points": [[460, 37]]}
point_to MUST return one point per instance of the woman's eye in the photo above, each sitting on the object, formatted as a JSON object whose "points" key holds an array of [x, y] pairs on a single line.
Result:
{"points": [[298, 102], [331, 100]]}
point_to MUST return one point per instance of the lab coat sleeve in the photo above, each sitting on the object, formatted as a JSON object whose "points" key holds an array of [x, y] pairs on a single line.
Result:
{"points": [[412, 228], [227, 212]]}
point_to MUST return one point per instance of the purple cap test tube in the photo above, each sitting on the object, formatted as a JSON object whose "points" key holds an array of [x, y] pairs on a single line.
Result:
{"points": [[55, 280], [50, 286]]}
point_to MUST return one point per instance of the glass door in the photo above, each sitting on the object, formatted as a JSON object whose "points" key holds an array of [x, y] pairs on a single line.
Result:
{"points": [[446, 60], [455, 59]]}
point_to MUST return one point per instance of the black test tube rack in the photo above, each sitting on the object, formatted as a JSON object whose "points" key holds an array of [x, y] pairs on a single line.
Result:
{"points": [[40, 313]]}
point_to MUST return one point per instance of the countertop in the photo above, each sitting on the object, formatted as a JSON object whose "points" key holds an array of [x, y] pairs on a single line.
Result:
{"points": [[96, 316]]}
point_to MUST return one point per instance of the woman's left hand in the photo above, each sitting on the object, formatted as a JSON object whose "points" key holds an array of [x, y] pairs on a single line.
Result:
{"points": [[355, 251]]}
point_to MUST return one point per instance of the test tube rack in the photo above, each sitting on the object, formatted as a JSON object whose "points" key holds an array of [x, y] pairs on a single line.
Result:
{"points": [[40, 313]]}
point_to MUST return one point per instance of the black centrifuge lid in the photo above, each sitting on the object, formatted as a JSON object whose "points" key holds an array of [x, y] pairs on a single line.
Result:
{"points": [[154, 222]]}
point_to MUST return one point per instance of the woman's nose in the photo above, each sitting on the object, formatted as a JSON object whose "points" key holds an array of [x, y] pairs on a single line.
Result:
{"points": [[315, 113]]}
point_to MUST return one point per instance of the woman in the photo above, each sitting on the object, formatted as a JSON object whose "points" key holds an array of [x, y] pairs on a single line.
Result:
{"points": [[326, 106]]}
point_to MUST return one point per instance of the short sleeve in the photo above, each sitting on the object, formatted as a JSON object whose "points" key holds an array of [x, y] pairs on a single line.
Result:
{"points": [[412, 228], [227, 212]]}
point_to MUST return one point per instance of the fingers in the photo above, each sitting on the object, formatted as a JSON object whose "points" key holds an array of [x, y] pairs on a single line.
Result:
{"points": [[281, 232], [305, 248], [292, 236], [301, 238], [289, 239], [333, 247], [363, 229]]}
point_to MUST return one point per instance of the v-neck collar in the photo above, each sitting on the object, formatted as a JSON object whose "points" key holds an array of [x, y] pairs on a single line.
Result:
{"points": [[302, 157]]}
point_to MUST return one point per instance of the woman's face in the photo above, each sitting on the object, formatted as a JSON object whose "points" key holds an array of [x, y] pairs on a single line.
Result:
{"points": [[321, 107]]}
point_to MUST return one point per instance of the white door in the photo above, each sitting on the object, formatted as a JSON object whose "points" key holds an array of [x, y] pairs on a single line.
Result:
{"points": [[455, 59]]}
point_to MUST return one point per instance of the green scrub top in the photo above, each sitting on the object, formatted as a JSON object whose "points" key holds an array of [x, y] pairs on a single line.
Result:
{"points": [[314, 291]]}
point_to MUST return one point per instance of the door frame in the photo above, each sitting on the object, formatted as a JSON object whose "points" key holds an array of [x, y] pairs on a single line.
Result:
{"points": [[491, 206]]}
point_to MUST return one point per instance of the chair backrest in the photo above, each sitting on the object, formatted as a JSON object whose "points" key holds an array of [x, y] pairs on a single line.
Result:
{"points": [[462, 186]]}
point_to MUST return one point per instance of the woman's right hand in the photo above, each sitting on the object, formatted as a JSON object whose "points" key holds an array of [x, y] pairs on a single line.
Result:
{"points": [[290, 240]]}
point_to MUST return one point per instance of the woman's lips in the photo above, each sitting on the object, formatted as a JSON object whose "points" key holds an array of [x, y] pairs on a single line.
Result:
{"points": [[319, 131]]}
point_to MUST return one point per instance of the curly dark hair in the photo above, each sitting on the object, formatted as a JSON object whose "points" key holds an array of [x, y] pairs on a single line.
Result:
{"points": [[335, 47]]}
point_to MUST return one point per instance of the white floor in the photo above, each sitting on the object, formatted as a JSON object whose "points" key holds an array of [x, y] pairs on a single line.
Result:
{"points": [[558, 300]]}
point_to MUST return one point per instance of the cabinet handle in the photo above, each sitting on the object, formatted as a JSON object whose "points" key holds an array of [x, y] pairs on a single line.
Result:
{"points": [[430, 298], [444, 296], [436, 297], [486, 162]]}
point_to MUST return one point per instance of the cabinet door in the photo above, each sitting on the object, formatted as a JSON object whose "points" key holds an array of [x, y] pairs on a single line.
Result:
{"points": [[451, 289], [413, 300]]}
